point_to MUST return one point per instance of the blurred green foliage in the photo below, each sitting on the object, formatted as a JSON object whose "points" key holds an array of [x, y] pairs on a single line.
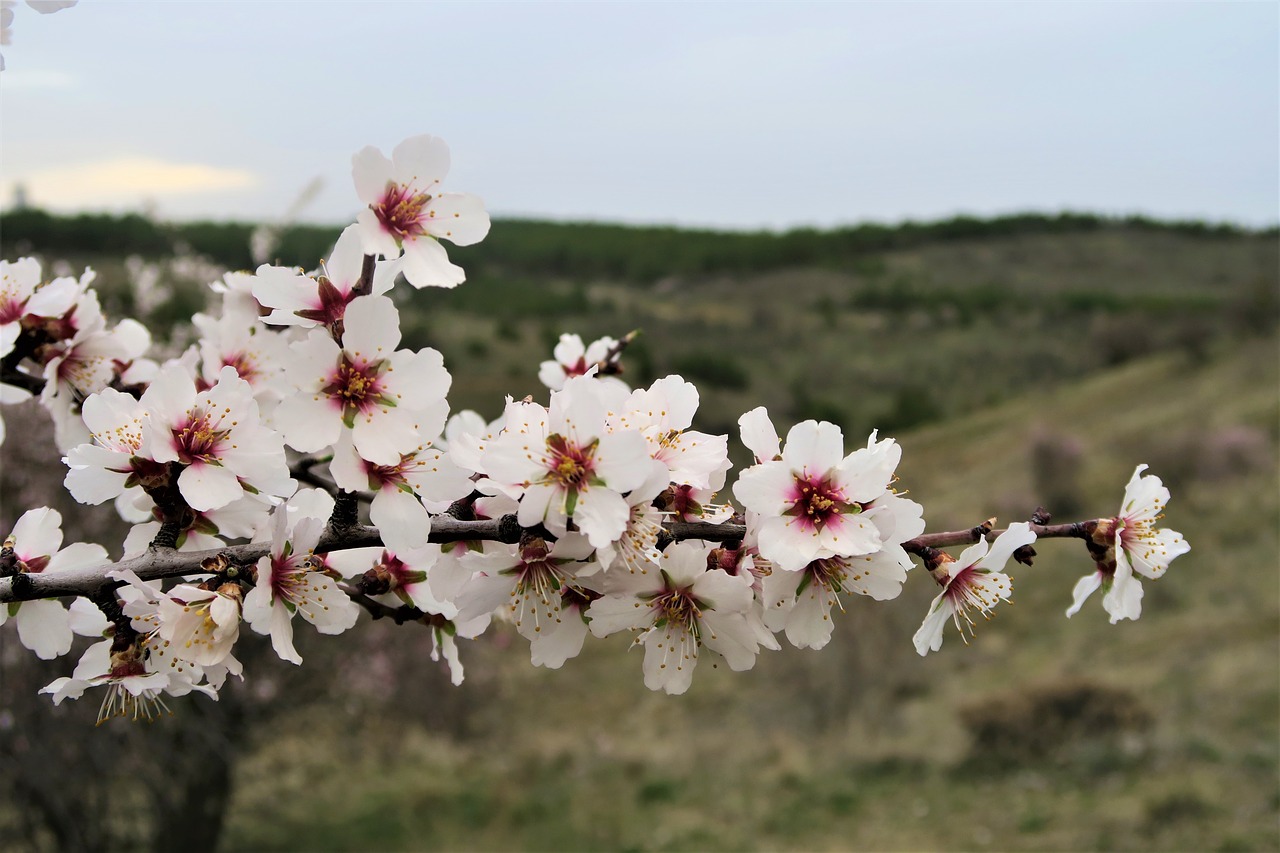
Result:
{"points": [[1018, 360]]}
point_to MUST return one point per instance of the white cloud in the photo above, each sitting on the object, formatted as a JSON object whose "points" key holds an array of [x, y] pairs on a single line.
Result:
{"points": [[126, 181]]}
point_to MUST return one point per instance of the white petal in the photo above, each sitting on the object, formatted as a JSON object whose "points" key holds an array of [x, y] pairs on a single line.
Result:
{"points": [[371, 171], [371, 328], [426, 264], [1084, 588], [403, 521], [421, 162], [814, 447], [459, 218], [43, 627], [207, 487]]}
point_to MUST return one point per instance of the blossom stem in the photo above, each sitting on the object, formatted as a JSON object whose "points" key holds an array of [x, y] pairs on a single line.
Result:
{"points": [[346, 511], [364, 286]]}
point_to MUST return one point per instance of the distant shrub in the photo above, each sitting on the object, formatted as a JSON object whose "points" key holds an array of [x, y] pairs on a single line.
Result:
{"points": [[805, 406], [1257, 308], [1120, 338], [913, 405], [1211, 455], [1055, 472], [714, 368], [1051, 721]]}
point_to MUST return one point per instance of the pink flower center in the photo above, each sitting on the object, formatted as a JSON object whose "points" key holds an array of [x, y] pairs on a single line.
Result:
{"points": [[329, 305], [679, 608], [199, 440], [401, 211], [830, 573], [569, 465], [389, 475], [245, 366], [10, 308], [818, 502], [357, 388]]}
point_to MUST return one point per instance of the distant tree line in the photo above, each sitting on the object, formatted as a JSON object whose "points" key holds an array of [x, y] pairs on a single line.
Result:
{"points": [[569, 249]]}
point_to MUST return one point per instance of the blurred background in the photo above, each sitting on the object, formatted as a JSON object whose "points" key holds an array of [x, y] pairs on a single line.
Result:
{"points": [[1037, 245]]}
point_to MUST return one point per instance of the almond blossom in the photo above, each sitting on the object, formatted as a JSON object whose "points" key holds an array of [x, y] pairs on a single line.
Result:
{"points": [[307, 301], [973, 581], [136, 674], [677, 611], [390, 399], [396, 509], [36, 546], [407, 212], [801, 603], [810, 502], [103, 469], [1143, 549], [134, 686], [663, 413], [563, 464], [572, 359], [542, 589], [254, 352], [288, 583], [21, 295], [201, 625], [215, 436]]}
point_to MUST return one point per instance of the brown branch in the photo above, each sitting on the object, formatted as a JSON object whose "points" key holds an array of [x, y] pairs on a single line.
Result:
{"points": [[167, 563], [400, 615], [610, 364], [10, 375], [161, 563], [968, 537]]}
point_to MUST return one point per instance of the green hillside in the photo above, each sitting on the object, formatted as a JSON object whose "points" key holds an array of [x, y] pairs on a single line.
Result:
{"points": [[1019, 361]]}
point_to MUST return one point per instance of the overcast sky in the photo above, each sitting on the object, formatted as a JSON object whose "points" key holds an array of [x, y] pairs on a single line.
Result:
{"points": [[719, 114]]}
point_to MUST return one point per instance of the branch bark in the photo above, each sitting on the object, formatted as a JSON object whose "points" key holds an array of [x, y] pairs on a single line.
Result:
{"points": [[160, 563]]}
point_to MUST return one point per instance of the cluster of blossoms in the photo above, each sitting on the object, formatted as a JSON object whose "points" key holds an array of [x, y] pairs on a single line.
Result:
{"points": [[592, 487]]}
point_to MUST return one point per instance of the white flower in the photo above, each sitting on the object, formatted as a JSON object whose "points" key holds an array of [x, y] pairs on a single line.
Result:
{"points": [[810, 502], [216, 436], [564, 464], [801, 602], [972, 581], [36, 542], [663, 413], [391, 399], [677, 611], [257, 355], [104, 469], [407, 210], [133, 683], [300, 300], [539, 588], [21, 295], [1143, 549], [135, 676], [636, 549], [288, 583], [200, 625], [396, 510], [573, 359]]}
